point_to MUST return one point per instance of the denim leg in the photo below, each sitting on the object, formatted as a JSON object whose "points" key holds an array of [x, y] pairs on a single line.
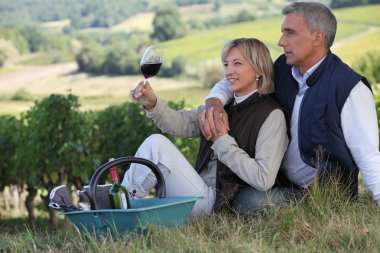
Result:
{"points": [[250, 200]]}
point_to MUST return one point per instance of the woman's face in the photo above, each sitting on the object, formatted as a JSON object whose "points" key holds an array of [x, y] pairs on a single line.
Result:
{"points": [[239, 73]]}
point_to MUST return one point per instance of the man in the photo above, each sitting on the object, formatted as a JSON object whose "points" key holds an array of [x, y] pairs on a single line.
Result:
{"points": [[333, 121]]}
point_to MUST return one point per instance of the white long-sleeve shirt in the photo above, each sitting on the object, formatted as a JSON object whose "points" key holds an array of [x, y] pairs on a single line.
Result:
{"points": [[359, 125]]}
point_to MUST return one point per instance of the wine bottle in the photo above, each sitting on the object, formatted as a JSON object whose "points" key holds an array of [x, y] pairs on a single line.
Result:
{"points": [[118, 195]]}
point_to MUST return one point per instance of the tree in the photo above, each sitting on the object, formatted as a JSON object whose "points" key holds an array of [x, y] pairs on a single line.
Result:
{"points": [[51, 146], [244, 16], [167, 23], [35, 37], [7, 150], [122, 59]]}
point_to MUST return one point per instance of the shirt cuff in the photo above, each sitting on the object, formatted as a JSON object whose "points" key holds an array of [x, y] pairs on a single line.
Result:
{"points": [[222, 98], [156, 110], [222, 144]]}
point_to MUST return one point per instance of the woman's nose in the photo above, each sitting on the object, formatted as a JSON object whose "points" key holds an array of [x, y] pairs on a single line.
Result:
{"points": [[228, 70]]}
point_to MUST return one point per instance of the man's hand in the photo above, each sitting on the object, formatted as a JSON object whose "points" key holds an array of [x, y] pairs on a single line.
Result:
{"points": [[214, 120], [144, 95]]}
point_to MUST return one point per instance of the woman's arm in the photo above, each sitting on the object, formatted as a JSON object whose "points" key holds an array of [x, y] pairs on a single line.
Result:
{"points": [[182, 123], [259, 172], [177, 123]]}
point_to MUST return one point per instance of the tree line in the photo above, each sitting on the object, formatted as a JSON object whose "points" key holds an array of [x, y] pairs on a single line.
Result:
{"points": [[83, 14], [55, 143]]}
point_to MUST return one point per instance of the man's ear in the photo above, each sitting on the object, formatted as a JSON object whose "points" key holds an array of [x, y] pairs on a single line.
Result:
{"points": [[319, 38]]}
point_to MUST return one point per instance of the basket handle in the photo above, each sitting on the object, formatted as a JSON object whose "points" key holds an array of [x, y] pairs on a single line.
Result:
{"points": [[161, 189]]}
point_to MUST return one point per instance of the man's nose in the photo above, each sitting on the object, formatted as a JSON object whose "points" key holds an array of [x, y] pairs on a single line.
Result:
{"points": [[281, 41]]}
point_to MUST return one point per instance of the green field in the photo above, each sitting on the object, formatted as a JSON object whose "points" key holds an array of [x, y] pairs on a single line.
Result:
{"points": [[368, 15], [207, 44]]}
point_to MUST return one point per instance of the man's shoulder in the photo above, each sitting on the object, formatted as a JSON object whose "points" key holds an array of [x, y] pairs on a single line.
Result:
{"points": [[280, 65], [281, 60]]}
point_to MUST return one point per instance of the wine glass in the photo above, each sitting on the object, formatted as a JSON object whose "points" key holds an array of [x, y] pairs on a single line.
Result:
{"points": [[151, 62]]}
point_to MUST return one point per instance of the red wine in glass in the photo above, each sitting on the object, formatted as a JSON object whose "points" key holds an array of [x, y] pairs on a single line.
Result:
{"points": [[151, 62], [150, 69]]}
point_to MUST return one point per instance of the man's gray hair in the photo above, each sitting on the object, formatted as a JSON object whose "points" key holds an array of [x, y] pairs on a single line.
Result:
{"points": [[317, 16]]}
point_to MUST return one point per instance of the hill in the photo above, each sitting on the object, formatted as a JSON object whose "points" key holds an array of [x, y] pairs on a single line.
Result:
{"points": [[357, 23], [358, 34]]}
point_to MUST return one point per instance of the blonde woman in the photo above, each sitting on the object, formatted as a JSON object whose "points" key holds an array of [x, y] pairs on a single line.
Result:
{"points": [[248, 152]]}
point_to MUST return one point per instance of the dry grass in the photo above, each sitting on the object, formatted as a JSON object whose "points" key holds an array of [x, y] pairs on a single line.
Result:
{"points": [[139, 22]]}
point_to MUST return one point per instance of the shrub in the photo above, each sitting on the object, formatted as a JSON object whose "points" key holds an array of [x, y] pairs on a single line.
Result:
{"points": [[91, 59], [210, 73], [120, 130], [176, 68], [7, 51], [167, 23], [369, 66]]}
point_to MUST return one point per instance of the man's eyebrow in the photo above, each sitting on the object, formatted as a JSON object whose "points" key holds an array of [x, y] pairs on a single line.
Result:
{"points": [[287, 30]]}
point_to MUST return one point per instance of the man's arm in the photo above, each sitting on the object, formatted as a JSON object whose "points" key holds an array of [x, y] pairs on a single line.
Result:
{"points": [[360, 129], [221, 91], [219, 95]]}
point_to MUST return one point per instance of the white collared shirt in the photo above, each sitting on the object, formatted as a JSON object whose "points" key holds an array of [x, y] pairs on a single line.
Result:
{"points": [[296, 169]]}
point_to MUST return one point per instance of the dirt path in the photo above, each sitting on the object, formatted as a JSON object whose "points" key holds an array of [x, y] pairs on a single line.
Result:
{"points": [[59, 78], [370, 29], [39, 81]]}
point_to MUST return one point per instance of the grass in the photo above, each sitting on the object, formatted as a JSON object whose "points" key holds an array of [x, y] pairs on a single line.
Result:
{"points": [[205, 45], [22, 101], [368, 15], [325, 221], [140, 22], [350, 51]]}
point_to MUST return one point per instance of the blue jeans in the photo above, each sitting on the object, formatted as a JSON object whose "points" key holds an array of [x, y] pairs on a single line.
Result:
{"points": [[250, 200]]}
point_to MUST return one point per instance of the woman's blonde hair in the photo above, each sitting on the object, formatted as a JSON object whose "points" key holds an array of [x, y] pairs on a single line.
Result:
{"points": [[257, 54]]}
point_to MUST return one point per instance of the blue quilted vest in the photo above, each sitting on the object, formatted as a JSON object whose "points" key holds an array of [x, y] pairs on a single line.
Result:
{"points": [[321, 139]]}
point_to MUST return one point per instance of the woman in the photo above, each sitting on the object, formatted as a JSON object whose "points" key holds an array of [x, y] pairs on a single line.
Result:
{"points": [[248, 153]]}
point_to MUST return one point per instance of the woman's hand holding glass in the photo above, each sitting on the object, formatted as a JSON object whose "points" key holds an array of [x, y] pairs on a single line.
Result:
{"points": [[144, 95]]}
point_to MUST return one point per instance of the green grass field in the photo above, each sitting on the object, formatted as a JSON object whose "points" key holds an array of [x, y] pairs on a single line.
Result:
{"points": [[368, 15], [204, 45], [365, 44]]}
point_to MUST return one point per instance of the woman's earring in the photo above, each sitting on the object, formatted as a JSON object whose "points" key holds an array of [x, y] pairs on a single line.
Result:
{"points": [[258, 77]]}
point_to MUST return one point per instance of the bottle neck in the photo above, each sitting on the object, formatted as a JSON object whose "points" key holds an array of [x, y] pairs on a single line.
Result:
{"points": [[114, 175]]}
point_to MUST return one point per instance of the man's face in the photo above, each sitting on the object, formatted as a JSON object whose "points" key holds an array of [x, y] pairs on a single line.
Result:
{"points": [[297, 42]]}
